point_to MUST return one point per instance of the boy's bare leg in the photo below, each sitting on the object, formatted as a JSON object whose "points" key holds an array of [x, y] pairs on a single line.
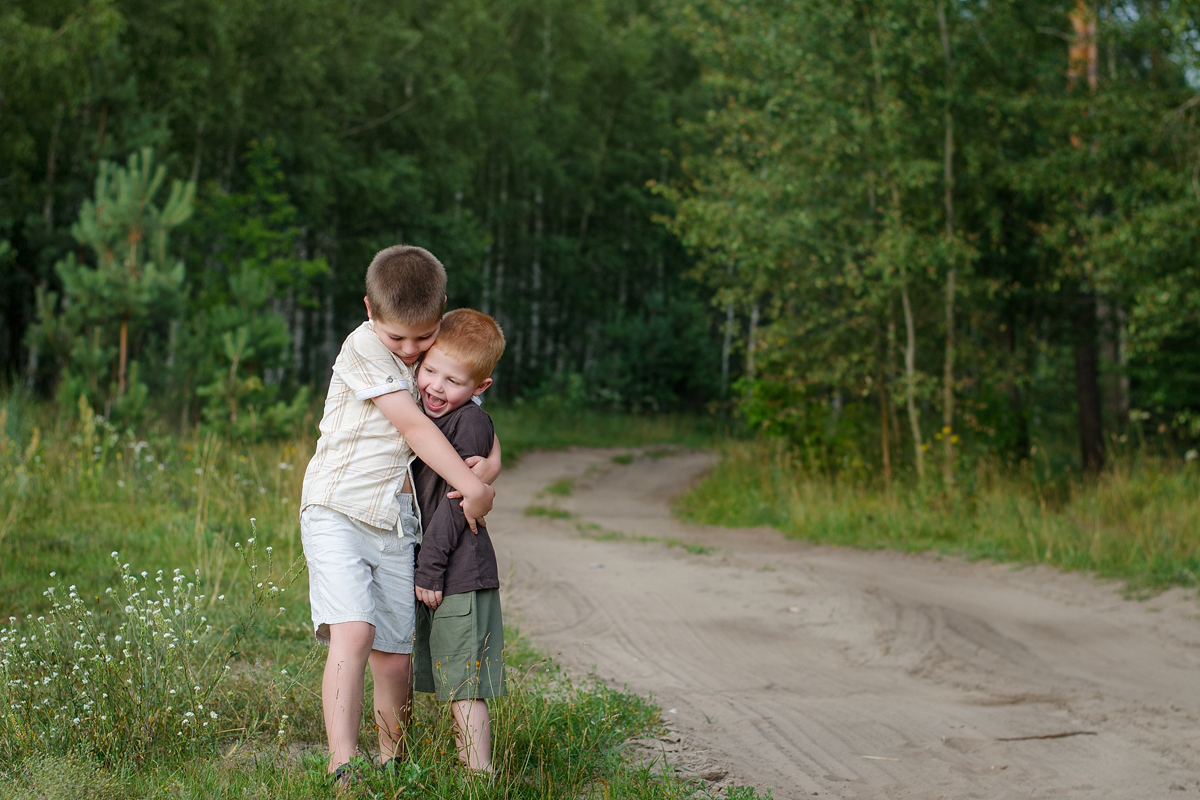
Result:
{"points": [[473, 733], [392, 673], [342, 687]]}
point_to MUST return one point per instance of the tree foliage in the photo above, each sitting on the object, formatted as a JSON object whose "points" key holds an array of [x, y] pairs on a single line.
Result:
{"points": [[980, 209], [513, 139], [893, 233]]}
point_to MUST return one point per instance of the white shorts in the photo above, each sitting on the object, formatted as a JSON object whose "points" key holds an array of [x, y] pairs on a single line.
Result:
{"points": [[360, 573]]}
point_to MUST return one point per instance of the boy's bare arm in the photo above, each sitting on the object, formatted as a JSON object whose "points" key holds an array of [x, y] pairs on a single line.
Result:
{"points": [[432, 447]]}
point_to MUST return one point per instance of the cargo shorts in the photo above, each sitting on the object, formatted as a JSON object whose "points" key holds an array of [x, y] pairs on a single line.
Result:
{"points": [[459, 653]]}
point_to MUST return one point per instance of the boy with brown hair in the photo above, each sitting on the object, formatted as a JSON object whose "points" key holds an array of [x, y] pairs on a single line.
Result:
{"points": [[460, 630], [358, 519]]}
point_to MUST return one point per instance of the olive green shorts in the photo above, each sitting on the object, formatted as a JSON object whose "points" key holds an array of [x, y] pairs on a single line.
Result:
{"points": [[459, 652]]}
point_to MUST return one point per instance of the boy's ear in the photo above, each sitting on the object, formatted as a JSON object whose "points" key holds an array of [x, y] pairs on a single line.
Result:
{"points": [[367, 303], [482, 387]]}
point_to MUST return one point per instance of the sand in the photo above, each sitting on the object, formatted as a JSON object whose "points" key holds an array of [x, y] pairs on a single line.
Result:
{"points": [[833, 672]]}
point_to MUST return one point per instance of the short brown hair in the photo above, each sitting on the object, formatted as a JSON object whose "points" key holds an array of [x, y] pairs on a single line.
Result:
{"points": [[473, 339], [406, 284]]}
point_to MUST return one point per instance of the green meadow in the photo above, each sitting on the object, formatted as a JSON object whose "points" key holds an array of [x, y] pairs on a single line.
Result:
{"points": [[155, 641]]}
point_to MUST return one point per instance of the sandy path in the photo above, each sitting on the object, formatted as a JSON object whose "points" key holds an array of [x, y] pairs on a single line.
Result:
{"points": [[834, 672]]}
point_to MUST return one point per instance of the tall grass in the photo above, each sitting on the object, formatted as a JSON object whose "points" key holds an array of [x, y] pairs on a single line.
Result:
{"points": [[1138, 521], [155, 640], [138, 676], [73, 489], [142, 696], [153, 710], [548, 426]]}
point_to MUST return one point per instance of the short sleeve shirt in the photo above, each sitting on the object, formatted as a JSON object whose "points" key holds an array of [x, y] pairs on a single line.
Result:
{"points": [[361, 459]]}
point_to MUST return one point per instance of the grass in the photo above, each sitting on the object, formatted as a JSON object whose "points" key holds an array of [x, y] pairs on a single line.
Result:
{"points": [[1139, 521], [537, 510], [562, 488], [654, 454], [187, 549], [590, 530], [531, 426]]}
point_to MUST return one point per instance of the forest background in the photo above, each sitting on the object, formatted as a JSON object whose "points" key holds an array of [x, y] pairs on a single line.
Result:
{"points": [[928, 273], [899, 236]]}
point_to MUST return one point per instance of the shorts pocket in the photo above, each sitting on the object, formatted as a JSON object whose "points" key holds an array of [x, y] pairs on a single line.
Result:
{"points": [[455, 605], [453, 628]]}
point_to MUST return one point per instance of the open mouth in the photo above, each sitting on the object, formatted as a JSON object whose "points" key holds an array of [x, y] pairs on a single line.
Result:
{"points": [[434, 404]]}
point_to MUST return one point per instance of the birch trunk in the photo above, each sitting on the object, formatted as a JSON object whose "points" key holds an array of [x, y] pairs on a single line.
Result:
{"points": [[751, 342], [884, 439], [910, 362], [952, 273], [1087, 386], [726, 348], [535, 304], [1123, 372], [893, 417], [910, 382], [485, 302], [498, 286]]}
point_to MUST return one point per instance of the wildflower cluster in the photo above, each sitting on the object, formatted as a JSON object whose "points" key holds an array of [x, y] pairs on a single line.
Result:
{"points": [[123, 681], [265, 589]]}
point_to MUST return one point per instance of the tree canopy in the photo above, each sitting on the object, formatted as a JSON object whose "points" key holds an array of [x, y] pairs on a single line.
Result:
{"points": [[893, 233], [975, 207]]}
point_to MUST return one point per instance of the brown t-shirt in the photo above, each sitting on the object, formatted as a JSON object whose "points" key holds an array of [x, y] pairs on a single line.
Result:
{"points": [[451, 559]]}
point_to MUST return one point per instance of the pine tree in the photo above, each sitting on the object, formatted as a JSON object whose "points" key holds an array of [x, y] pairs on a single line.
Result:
{"points": [[134, 278]]}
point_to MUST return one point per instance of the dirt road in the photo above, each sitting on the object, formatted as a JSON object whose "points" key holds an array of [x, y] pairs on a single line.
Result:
{"points": [[830, 672]]}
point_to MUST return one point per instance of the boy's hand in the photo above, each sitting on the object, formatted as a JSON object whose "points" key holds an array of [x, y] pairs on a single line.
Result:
{"points": [[429, 597], [477, 507], [486, 469], [431, 446]]}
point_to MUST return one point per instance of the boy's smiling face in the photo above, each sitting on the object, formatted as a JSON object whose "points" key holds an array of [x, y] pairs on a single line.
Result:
{"points": [[406, 341], [445, 384]]}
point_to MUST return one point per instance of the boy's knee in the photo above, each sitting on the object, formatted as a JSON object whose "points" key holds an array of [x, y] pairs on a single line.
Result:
{"points": [[392, 665], [352, 636]]}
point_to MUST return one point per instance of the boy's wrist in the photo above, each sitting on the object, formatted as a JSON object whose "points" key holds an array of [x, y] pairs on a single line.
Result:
{"points": [[478, 491]]}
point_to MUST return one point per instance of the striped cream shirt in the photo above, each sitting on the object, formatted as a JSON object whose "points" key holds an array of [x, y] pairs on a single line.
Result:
{"points": [[361, 459]]}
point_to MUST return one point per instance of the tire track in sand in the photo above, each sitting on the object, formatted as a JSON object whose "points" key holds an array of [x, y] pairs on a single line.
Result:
{"points": [[829, 672]]}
